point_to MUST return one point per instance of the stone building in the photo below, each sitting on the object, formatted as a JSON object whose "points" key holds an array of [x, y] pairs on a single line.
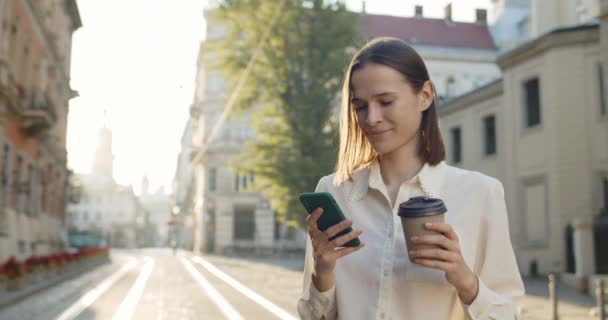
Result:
{"points": [[35, 59]]}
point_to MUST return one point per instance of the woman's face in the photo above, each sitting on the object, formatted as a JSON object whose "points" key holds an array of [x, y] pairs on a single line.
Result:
{"points": [[388, 110]]}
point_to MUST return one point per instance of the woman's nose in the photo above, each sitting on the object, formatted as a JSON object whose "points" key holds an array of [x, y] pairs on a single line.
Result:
{"points": [[374, 115]]}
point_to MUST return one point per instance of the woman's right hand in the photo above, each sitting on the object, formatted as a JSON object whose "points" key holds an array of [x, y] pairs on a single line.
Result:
{"points": [[324, 250]]}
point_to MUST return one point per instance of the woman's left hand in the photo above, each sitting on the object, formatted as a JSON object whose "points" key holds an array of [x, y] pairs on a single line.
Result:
{"points": [[448, 259]]}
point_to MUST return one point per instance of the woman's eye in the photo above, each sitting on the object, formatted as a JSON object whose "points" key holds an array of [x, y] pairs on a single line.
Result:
{"points": [[360, 107], [386, 103]]}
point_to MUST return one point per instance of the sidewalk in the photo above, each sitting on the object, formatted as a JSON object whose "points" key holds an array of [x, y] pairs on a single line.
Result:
{"points": [[536, 305], [10, 297]]}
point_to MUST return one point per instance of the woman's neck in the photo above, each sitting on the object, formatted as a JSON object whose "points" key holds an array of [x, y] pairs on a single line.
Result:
{"points": [[400, 165]]}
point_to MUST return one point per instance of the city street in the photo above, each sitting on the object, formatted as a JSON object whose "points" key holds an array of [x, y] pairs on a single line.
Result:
{"points": [[154, 284]]}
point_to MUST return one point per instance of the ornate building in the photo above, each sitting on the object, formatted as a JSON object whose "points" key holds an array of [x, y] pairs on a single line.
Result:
{"points": [[35, 54]]}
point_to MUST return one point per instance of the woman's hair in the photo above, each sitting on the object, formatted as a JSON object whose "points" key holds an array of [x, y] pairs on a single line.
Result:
{"points": [[355, 150]]}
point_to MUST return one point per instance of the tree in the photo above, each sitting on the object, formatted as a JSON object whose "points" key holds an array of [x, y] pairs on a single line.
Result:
{"points": [[294, 83]]}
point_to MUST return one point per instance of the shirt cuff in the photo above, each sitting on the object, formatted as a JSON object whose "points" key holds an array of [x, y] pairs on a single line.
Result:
{"points": [[322, 303], [319, 304], [480, 307]]}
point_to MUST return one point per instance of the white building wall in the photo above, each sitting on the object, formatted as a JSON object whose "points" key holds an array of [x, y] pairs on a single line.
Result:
{"points": [[551, 173], [468, 70]]}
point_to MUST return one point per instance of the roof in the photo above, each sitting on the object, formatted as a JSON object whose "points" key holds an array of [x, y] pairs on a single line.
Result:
{"points": [[426, 31]]}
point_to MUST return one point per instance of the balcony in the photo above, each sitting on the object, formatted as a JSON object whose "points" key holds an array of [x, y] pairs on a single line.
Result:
{"points": [[36, 111]]}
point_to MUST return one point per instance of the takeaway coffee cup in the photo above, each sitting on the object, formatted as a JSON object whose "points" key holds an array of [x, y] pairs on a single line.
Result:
{"points": [[415, 213]]}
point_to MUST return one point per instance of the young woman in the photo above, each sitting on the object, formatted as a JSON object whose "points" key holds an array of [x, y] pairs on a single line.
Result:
{"points": [[391, 150]]}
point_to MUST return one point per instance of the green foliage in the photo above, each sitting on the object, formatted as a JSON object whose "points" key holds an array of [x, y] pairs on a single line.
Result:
{"points": [[294, 83]]}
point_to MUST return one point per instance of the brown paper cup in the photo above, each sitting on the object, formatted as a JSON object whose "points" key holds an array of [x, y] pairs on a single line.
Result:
{"points": [[414, 214]]}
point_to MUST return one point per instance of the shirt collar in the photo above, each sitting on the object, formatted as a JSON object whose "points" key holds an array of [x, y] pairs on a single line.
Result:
{"points": [[430, 178]]}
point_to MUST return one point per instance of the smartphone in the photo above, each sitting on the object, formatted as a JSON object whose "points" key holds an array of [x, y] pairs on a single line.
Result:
{"points": [[332, 214]]}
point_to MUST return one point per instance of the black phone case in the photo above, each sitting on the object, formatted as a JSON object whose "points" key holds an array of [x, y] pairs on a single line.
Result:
{"points": [[332, 214]]}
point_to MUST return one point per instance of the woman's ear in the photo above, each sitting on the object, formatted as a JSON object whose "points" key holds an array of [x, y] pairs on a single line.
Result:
{"points": [[426, 95]]}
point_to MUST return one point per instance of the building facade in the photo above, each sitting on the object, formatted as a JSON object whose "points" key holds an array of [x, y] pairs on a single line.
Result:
{"points": [[542, 130], [35, 54], [158, 212], [460, 56], [227, 216], [186, 222], [217, 210]]}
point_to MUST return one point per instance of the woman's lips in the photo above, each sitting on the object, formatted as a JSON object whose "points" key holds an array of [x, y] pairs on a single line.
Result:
{"points": [[376, 134]]}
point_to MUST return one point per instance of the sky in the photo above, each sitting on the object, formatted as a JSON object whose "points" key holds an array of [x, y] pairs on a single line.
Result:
{"points": [[133, 65], [136, 60]]}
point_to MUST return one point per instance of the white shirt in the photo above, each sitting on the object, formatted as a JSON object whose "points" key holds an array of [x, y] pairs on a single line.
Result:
{"points": [[379, 282]]}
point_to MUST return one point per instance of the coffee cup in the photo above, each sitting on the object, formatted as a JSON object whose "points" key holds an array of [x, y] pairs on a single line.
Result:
{"points": [[414, 213]]}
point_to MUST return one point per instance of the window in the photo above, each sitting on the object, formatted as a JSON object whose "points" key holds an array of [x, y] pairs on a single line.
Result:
{"points": [[212, 179], [35, 190], [5, 171], [244, 223], [18, 181], [456, 145], [13, 42], [532, 102], [22, 246], [242, 182], [449, 91], [481, 16], [418, 11], [603, 90], [522, 27], [489, 135], [26, 68], [27, 186]]}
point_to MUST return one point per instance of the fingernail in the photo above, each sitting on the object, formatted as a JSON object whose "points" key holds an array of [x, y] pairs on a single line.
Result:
{"points": [[414, 238], [428, 224]]}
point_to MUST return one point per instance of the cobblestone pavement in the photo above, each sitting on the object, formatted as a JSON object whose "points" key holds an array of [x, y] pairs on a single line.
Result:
{"points": [[176, 287], [154, 284]]}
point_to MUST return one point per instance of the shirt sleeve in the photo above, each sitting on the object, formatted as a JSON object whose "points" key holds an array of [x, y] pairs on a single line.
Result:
{"points": [[314, 304], [499, 278]]}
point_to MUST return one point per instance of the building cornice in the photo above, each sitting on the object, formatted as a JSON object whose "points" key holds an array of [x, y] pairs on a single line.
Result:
{"points": [[46, 39], [456, 54], [562, 37], [71, 8], [471, 98]]}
